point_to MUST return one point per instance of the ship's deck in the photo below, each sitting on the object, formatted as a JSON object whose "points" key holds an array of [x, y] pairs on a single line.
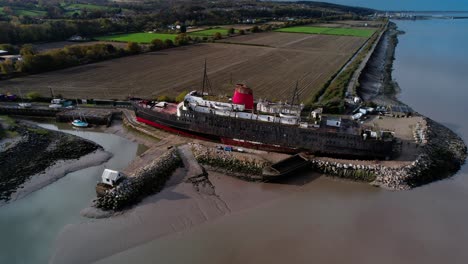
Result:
{"points": [[169, 108]]}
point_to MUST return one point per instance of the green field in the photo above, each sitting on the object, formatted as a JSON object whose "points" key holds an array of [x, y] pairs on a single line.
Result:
{"points": [[137, 37], [209, 32], [366, 33], [31, 13]]}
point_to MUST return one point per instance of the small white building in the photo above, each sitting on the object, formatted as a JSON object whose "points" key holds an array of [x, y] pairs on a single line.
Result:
{"points": [[334, 121], [317, 113], [111, 177]]}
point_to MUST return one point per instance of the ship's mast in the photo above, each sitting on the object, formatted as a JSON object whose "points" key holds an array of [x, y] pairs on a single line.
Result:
{"points": [[204, 79], [206, 82], [295, 95]]}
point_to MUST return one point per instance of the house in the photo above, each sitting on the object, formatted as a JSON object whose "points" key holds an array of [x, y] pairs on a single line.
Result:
{"points": [[10, 57], [317, 113], [111, 177]]}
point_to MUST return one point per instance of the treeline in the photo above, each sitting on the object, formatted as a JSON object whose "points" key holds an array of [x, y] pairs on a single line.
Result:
{"points": [[63, 58], [58, 30], [33, 62], [157, 15]]}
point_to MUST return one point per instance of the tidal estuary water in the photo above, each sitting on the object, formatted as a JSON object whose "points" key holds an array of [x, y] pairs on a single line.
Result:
{"points": [[29, 226], [330, 221]]}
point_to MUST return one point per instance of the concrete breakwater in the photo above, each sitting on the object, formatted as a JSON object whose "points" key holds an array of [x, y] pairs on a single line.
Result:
{"points": [[145, 181]]}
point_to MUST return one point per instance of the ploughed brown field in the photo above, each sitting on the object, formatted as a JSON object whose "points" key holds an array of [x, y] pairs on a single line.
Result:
{"points": [[270, 70]]}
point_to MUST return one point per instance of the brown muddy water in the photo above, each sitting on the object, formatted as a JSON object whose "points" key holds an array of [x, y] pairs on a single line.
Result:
{"points": [[29, 226], [330, 221]]}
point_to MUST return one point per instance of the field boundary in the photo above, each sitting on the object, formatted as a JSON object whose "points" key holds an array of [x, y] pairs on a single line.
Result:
{"points": [[352, 32]]}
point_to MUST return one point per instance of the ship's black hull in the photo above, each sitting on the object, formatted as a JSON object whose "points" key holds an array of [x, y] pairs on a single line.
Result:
{"points": [[264, 135]]}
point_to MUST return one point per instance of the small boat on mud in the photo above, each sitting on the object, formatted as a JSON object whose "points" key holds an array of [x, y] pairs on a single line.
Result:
{"points": [[80, 123]]}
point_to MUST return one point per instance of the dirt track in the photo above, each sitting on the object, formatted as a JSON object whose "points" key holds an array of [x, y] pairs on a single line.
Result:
{"points": [[271, 70]]}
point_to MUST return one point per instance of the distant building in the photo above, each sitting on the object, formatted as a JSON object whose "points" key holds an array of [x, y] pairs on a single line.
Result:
{"points": [[77, 38], [10, 57]]}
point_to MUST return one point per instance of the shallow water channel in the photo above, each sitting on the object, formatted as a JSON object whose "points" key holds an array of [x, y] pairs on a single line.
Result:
{"points": [[29, 226]]}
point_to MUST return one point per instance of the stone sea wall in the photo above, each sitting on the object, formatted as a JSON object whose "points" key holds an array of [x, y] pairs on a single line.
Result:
{"points": [[227, 162], [145, 181], [442, 154]]}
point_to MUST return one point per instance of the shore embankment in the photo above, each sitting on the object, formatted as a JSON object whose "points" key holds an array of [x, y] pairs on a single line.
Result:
{"points": [[32, 157], [441, 152]]}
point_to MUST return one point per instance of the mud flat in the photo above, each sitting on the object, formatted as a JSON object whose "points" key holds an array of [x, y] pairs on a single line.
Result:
{"points": [[187, 200], [32, 157]]}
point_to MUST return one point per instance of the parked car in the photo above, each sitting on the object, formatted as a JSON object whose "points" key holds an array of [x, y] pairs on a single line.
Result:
{"points": [[55, 106], [24, 105]]}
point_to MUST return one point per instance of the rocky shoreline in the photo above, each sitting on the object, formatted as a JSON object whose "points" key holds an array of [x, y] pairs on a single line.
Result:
{"points": [[30, 150], [442, 151]]}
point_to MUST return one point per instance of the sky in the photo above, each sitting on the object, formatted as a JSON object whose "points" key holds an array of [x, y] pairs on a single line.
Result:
{"points": [[413, 5]]}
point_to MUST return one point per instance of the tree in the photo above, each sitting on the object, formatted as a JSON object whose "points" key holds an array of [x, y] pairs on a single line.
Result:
{"points": [[255, 29], [27, 49], [181, 39], [231, 31], [217, 35], [157, 44], [7, 67], [133, 48], [10, 48]]}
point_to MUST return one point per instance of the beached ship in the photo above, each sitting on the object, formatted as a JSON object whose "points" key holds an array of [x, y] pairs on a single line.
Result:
{"points": [[238, 123], [263, 125]]}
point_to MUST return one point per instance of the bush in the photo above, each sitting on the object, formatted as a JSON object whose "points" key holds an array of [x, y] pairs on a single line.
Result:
{"points": [[157, 44], [217, 35], [133, 48], [231, 31], [255, 29], [33, 96], [181, 96], [242, 32], [181, 39], [169, 43], [164, 98]]}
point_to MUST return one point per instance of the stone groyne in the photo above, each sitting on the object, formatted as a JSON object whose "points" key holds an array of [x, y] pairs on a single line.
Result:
{"points": [[145, 181]]}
